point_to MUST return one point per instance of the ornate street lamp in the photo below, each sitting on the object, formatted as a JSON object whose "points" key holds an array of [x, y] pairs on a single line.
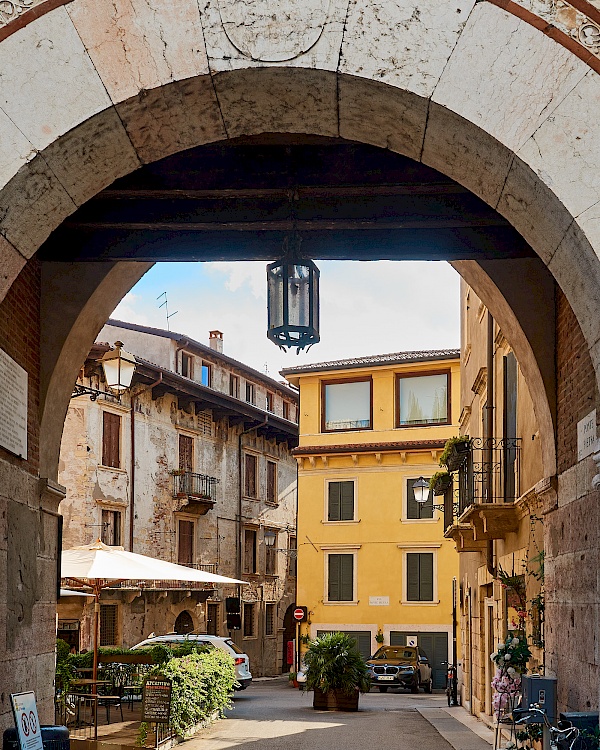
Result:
{"points": [[293, 299], [269, 537], [119, 368], [421, 493]]}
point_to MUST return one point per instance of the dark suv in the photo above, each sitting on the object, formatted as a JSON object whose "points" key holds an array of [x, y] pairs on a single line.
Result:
{"points": [[400, 666]]}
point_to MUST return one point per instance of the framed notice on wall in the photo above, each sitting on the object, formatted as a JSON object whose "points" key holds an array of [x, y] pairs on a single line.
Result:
{"points": [[13, 406]]}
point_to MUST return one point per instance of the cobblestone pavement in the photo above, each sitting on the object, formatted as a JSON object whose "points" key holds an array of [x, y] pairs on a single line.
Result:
{"points": [[271, 715]]}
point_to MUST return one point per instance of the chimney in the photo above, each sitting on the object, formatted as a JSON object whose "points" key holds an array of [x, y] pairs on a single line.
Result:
{"points": [[215, 341]]}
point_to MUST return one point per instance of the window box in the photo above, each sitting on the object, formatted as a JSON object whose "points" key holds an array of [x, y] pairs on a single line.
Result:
{"points": [[455, 453], [440, 482]]}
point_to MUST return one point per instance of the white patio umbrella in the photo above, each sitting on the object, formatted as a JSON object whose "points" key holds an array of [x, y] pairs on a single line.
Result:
{"points": [[98, 565]]}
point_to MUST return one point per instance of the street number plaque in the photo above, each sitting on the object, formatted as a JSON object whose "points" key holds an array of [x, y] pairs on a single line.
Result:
{"points": [[156, 700]]}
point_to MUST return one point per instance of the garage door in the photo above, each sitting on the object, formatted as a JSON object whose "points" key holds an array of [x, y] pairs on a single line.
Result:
{"points": [[361, 637], [435, 645]]}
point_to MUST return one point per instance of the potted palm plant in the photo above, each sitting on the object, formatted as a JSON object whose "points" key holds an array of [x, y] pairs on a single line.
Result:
{"points": [[336, 672]]}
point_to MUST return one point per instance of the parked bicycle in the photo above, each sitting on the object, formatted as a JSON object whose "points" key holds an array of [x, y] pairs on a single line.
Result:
{"points": [[451, 684], [561, 737]]}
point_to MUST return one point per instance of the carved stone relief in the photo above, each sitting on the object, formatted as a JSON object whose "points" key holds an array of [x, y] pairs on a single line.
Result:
{"points": [[568, 19], [272, 31], [11, 9]]}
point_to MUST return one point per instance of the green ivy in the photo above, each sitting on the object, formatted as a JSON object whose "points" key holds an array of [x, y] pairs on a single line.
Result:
{"points": [[202, 687]]}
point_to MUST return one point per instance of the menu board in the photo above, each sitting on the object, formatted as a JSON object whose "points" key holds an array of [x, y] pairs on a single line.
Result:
{"points": [[156, 700], [13, 406]]}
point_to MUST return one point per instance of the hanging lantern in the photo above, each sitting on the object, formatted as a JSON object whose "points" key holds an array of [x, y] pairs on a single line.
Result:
{"points": [[293, 300]]}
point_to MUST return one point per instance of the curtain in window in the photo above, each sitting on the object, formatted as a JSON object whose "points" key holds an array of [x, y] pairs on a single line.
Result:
{"points": [[348, 406]]}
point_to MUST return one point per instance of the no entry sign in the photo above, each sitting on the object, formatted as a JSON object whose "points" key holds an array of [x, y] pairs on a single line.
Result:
{"points": [[300, 614]]}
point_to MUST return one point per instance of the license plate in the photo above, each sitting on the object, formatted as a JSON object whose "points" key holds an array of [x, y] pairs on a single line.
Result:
{"points": [[385, 677]]}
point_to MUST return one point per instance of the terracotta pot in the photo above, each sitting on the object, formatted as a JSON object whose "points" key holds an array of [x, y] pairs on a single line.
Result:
{"points": [[335, 700]]}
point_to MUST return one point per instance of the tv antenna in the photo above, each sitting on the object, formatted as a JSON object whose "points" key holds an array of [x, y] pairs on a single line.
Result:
{"points": [[165, 304]]}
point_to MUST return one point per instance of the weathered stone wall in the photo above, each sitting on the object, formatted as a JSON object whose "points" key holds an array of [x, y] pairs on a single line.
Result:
{"points": [[572, 530], [28, 530]]}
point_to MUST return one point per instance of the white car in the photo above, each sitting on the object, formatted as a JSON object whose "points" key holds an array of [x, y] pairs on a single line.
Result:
{"points": [[242, 662]]}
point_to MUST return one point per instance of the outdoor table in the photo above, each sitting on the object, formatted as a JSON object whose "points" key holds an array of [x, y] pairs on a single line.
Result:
{"points": [[87, 682]]}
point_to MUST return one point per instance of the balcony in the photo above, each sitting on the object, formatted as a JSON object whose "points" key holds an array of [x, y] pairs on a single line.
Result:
{"points": [[199, 491], [484, 504]]}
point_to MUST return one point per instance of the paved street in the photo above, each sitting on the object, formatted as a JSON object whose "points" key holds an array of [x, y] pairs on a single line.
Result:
{"points": [[271, 715]]}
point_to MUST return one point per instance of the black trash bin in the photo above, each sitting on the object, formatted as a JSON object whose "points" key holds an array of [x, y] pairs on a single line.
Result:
{"points": [[53, 738], [586, 722]]}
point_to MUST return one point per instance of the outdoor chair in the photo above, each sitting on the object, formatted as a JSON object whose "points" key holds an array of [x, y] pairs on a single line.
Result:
{"points": [[113, 698]]}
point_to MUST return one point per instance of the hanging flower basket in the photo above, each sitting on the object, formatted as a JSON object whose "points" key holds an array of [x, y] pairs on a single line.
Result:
{"points": [[455, 452], [440, 482]]}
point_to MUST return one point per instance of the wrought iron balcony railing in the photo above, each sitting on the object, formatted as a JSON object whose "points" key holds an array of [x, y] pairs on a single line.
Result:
{"points": [[489, 472], [188, 484]]}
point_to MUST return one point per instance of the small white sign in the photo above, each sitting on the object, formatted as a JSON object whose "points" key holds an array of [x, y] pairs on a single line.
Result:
{"points": [[26, 721], [411, 640], [13, 406], [586, 435], [379, 601]]}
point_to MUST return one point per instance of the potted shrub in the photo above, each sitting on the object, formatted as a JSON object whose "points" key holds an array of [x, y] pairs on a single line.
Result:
{"points": [[440, 482], [455, 452], [336, 672]]}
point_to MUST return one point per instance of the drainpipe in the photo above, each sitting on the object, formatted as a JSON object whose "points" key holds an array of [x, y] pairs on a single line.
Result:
{"points": [[132, 473], [488, 437]]}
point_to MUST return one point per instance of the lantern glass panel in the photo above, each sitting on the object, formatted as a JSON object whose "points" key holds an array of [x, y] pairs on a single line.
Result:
{"points": [[299, 295], [275, 292]]}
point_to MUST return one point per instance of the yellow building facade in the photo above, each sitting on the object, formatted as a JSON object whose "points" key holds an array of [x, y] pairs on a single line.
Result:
{"points": [[372, 561]]}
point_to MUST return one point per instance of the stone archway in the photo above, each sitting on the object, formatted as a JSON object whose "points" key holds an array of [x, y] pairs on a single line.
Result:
{"points": [[98, 92]]}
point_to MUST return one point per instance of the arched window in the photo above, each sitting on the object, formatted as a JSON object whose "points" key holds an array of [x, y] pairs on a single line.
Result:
{"points": [[184, 623]]}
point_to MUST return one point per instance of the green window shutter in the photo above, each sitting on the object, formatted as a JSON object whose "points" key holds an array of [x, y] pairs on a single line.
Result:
{"points": [[334, 504], [333, 584], [346, 578], [413, 508], [426, 575], [346, 501], [412, 577]]}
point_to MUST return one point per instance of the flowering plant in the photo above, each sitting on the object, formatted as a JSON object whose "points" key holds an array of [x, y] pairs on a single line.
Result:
{"points": [[511, 656], [507, 685]]}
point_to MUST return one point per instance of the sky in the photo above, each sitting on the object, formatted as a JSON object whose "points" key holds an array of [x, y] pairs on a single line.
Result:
{"points": [[366, 308]]}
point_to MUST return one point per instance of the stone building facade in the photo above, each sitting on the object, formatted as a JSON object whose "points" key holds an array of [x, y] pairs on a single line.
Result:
{"points": [[193, 467]]}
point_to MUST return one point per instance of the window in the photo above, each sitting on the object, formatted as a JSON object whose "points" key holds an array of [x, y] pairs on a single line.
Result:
{"points": [[272, 482], [234, 386], [286, 410], [111, 440], [206, 374], [212, 619], [250, 393], [292, 556], [340, 580], [340, 501], [413, 508], [250, 566], [423, 399], [271, 402], [111, 527], [271, 556], [187, 365], [347, 405], [108, 624], [250, 477], [185, 542], [270, 619], [419, 576], [249, 620], [186, 453]]}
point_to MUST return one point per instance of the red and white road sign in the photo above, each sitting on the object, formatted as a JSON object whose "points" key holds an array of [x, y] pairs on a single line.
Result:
{"points": [[300, 613]]}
